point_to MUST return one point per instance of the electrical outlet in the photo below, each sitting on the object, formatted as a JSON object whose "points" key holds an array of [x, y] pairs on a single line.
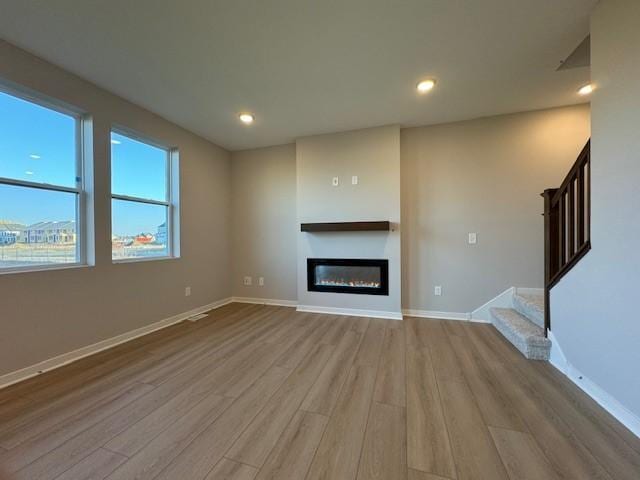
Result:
{"points": [[473, 238], [187, 291], [261, 282], [335, 181], [248, 281], [354, 180], [437, 291]]}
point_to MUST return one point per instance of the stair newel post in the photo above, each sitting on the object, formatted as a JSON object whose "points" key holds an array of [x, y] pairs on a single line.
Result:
{"points": [[551, 249]]}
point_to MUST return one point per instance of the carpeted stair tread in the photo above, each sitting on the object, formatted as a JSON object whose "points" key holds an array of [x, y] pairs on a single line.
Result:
{"points": [[525, 335], [531, 306]]}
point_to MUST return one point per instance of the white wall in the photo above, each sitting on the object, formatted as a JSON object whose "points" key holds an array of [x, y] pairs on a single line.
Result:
{"points": [[264, 222], [374, 156], [45, 314], [595, 315], [482, 176]]}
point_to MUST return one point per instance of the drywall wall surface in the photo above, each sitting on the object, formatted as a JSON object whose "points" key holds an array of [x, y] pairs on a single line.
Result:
{"points": [[373, 155], [485, 177], [48, 313], [264, 222], [594, 308]]}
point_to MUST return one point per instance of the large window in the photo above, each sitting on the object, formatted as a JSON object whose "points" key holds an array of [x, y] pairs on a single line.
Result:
{"points": [[144, 197], [41, 185]]}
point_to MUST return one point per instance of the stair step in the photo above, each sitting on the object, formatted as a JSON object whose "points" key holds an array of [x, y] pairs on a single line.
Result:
{"points": [[525, 335], [531, 306]]}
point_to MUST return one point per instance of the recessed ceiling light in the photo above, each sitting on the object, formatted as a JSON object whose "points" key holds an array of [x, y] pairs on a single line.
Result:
{"points": [[426, 85], [115, 142], [34, 156], [585, 89], [28, 172], [246, 118]]}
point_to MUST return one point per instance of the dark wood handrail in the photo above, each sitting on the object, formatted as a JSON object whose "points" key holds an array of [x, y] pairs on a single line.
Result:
{"points": [[567, 225]]}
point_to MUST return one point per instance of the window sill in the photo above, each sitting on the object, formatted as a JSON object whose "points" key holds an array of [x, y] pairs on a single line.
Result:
{"points": [[141, 260], [43, 268]]}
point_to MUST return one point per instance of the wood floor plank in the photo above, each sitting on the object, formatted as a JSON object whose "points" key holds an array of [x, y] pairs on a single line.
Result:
{"points": [[475, 454], [255, 443], [428, 445], [495, 406], [325, 391], [418, 475], [339, 451], [567, 455], [96, 466], [446, 366], [606, 446], [24, 454], [42, 418], [522, 456], [230, 470], [134, 438], [292, 455], [339, 327], [371, 345], [470, 398], [384, 455], [157, 454], [587, 405], [208, 448], [293, 355], [103, 431], [391, 380]]}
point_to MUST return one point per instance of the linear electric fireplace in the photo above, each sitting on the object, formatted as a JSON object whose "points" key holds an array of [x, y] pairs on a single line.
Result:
{"points": [[343, 275]]}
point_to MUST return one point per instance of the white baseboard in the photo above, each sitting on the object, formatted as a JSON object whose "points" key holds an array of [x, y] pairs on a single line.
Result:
{"points": [[66, 358], [353, 312], [436, 315], [265, 301], [604, 399], [503, 300]]}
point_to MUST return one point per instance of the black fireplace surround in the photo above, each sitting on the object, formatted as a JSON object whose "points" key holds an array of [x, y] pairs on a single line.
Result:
{"points": [[346, 275]]}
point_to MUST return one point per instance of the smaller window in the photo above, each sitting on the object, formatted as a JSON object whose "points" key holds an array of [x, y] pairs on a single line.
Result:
{"points": [[144, 194]]}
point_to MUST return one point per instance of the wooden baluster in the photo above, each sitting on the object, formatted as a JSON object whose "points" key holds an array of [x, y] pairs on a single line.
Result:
{"points": [[581, 205], [571, 250], [563, 228]]}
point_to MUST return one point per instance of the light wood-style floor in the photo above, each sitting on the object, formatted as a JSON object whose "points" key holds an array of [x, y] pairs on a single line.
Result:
{"points": [[256, 392]]}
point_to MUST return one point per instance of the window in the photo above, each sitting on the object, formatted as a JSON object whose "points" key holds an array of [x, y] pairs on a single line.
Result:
{"points": [[41, 185], [144, 194]]}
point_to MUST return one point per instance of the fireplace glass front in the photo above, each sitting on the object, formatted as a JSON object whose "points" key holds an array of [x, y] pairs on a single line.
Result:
{"points": [[341, 275]]}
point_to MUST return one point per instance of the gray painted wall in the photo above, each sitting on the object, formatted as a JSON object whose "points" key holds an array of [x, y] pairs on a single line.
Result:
{"points": [[264, 222], [374, 156], [595, 307], [45, 314], [480, 176], [483, 176]]}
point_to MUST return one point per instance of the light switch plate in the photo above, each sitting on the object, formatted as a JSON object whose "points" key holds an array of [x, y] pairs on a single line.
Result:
{"points": [[354, 180], [437, 290], [335, 182], [473, 238]]}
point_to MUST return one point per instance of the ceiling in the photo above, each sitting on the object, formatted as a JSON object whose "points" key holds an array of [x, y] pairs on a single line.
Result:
{"points": [[306, 67]]}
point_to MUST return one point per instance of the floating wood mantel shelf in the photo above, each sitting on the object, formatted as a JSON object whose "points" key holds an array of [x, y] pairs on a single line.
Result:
{"points": [[346, 227]]}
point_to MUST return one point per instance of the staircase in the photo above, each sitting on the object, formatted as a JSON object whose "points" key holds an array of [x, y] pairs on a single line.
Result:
{"points": [[523, 325], [567, 233]]}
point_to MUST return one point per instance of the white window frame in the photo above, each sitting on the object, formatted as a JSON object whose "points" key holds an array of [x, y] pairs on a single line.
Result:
{"points": [[172, 195], [83, 168]]}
